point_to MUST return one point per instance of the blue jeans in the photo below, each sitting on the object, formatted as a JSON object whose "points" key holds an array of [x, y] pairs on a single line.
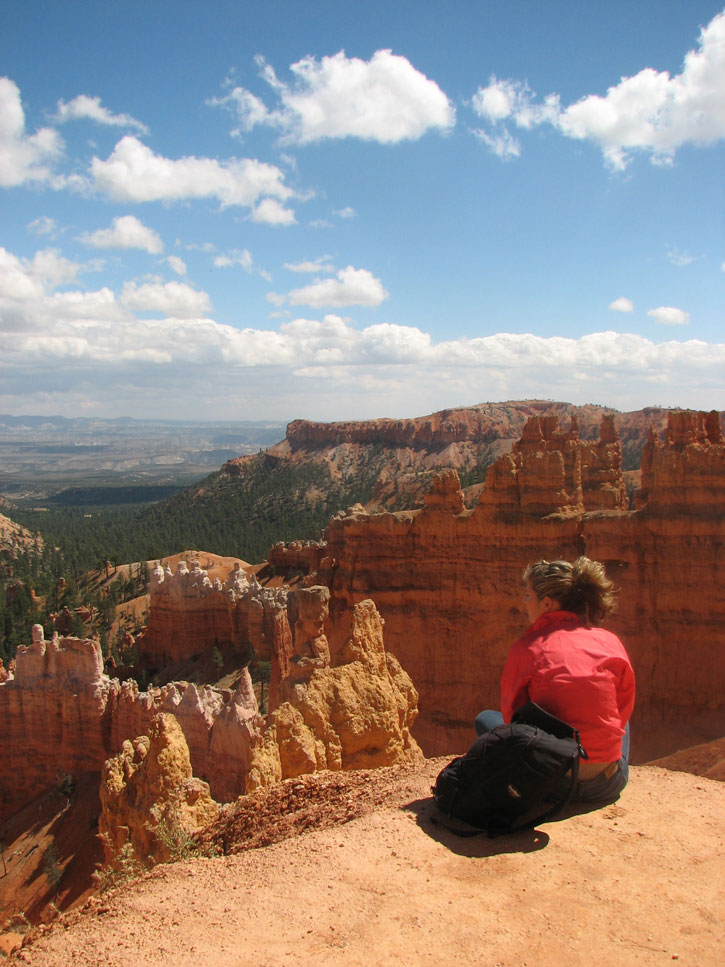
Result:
{"points": [[599, 789]]}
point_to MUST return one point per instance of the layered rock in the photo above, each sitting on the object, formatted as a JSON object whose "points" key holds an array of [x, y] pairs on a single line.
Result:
{"points": [[190, 614], [684, 473], [447, 581], [302, 556], [150, 800], [60, 714], [351, 712]]}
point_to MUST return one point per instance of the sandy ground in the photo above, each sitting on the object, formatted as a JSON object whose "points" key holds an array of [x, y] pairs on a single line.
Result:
{"points": [[640, 882]]}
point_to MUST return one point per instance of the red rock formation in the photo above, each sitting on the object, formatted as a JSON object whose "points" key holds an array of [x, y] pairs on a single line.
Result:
{"points": [[149, 798], [189, 614], [304, 556], [61, 715], [354, 713], [448, 582]]}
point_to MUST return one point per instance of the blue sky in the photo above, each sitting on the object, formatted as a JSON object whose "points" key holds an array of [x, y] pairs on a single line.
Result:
{"points": [[354, 210]]}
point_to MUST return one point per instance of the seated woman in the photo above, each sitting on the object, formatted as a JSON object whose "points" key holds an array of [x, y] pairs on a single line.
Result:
{"points": [[573, 669]]}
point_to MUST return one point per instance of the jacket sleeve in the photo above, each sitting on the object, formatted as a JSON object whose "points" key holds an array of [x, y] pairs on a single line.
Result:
{"points": [[514, 681]]}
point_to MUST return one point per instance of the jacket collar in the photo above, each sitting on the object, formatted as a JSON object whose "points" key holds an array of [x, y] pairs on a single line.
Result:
{"points": [[548, 619]]}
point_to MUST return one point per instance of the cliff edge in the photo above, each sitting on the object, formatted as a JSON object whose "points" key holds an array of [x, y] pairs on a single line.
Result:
{"points": [[635, 883]]}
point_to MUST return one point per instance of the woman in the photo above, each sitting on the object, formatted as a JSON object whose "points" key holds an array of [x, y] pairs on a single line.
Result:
{"points": [[573, 669]]}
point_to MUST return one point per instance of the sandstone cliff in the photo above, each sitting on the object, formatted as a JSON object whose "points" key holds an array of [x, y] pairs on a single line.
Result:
{"points": [[189, 614], [351, 713], [60, 714], [447, 580], [393, 461], [149, 797]]}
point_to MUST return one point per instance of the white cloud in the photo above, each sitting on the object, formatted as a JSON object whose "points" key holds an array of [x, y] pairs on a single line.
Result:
{"points": [[339, 370], [651, 111], [243, 258], [26, 279], [352, 287], [346, 212], [84, 106], [622, 304], [175, 299], [23, 157], [320, 264], [199, 246], [271, 212], [680, 259], [248, 108], [126, 232], [177, 264], [134, 173], [669, 316], [502, 143], [44, 225], [384, 99]]}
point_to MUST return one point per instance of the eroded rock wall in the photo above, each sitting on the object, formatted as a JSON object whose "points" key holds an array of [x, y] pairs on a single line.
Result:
{"points": [[60, 714], [150, 799], [448, 581], [190, 614], [355, 713]]}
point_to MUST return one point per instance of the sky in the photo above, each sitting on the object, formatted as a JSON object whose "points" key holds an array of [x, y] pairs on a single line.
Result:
{"points": [[272, 209]]}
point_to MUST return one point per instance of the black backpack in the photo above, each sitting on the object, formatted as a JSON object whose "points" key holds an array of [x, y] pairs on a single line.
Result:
{"points": [[513, 777]]}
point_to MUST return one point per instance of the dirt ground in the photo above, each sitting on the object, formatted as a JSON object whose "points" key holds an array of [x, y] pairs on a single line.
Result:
{"points": [[354, 872]]}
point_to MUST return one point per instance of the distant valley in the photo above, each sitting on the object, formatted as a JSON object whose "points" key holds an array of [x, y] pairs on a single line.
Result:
{"points": [[41, 455]]}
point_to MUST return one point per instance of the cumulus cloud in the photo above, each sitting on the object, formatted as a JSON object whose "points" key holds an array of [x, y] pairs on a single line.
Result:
{"points": [[22, 279], [669, 316], [622, 304], [23, 157], [352, 287], [346, 212], [384, 99], [242, 258], [652, 111], [271, 212], [345, 371], [125, 232], [84, 106], [134, 173], [175, 299]]}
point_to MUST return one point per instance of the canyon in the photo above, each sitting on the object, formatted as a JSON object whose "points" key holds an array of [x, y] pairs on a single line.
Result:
{"points": [[394, 636], [445, 582]]}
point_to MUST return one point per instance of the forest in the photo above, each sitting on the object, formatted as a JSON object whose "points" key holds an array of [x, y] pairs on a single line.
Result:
{"points": [[239, 511]]}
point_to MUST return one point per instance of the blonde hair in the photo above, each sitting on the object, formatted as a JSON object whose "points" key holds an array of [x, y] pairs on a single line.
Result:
{"points": [[582, 587]]}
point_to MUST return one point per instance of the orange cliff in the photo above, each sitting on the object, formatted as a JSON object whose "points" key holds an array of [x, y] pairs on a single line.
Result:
{"points": [[447, 580], [61, 715], [189, 614]]}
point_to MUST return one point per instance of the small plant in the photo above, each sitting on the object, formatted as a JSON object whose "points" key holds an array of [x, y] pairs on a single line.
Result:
{"points": [[179, 843], [51, 866], [66, 784], [19, 923], [124, 867], [216, 657]]}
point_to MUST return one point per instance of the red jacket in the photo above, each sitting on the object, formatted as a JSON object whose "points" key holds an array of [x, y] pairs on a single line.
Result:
{"points": [[580, 674]]}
